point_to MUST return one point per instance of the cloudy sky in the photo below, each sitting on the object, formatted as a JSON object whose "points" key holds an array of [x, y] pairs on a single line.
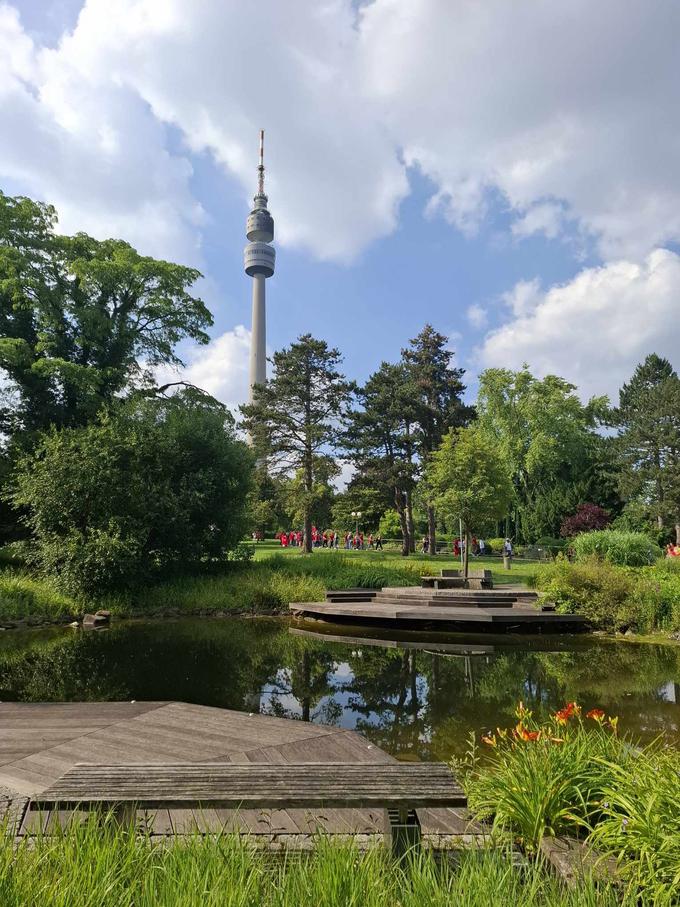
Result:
{"points": [[507, 171]]}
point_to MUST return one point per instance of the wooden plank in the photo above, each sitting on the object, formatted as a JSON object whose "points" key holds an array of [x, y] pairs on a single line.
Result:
{"points": [[259, 785]]}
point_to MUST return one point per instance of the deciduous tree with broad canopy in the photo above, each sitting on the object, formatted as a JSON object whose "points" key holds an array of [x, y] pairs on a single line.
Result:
{"points": [[81, 320], [469, 481]]}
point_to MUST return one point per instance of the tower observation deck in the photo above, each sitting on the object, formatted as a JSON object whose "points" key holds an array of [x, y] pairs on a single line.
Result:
{"points": [[259, 258]]}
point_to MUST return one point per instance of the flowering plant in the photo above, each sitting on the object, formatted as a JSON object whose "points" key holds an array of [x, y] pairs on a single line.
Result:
{"points": [[544, 777]]}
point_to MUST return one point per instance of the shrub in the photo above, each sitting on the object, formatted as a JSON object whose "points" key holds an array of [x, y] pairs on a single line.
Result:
{"points": [[629, 549], [155, 487], [588, 517], [611, 597], [551, 544]]}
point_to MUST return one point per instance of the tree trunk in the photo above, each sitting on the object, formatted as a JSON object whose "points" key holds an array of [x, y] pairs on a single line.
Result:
{"points": [[466, 555], [409, 523], [677, 533], [431, 529], [401, 513], [309, 486]]}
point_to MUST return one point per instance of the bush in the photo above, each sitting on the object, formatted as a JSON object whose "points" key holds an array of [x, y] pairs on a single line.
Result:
{"points": [[588, 518], [626, 549], [611, 597], [153, 488]]}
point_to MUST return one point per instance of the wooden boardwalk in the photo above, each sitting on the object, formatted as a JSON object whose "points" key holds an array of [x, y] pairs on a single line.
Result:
{"points": [[39, 742]]}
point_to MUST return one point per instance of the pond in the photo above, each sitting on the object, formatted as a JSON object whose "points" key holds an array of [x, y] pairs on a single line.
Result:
{"points": [[416, 697]]}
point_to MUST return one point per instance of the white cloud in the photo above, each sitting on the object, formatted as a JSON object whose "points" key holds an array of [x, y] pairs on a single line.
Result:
{"points": [[221, 368], [547, 103], [568, 112], [541, 218], [477, 316], [596, 328]]}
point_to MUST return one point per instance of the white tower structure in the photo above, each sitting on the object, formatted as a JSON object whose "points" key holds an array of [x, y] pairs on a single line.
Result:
{"points": [[259, 257]]}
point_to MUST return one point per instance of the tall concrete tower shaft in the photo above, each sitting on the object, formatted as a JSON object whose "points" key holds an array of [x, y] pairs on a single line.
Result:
{"points": [[259, 259]]}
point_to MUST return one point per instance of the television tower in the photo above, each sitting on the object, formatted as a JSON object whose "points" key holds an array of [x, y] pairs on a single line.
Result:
{"points": [[259, 257]]}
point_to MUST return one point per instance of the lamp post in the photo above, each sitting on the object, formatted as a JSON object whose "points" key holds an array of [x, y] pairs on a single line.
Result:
{"points": [[357, 516]]}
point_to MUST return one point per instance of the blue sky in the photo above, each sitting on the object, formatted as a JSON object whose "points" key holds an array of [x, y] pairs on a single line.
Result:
{"points": [[507, 173]]}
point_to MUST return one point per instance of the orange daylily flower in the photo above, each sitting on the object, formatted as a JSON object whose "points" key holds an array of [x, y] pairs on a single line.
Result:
{"points": [[596, 714], [489, 739], [570, 709], [523, 734]]}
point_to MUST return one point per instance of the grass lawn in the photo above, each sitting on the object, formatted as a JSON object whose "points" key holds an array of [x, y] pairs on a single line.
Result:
{"points": [[276, 577], [521, 569]]}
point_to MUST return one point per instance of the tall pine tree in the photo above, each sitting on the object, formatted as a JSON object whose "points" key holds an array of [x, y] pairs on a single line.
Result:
{"points": [[649, 440], [436, 390], [295, 419]]}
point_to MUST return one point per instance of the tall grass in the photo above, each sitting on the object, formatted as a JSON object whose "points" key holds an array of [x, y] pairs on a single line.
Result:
{"points": [[91, 867]]}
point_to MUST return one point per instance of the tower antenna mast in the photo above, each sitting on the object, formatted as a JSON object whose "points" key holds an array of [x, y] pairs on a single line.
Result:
{"points": [[260, 169]]}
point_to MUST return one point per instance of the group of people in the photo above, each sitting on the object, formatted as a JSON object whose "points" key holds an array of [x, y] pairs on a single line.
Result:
{"points": [[477, 547], [672, 550], [329, 538]]}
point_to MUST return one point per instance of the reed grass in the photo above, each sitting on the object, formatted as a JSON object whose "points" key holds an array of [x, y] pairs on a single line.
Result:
{"points": [[93, 866]]}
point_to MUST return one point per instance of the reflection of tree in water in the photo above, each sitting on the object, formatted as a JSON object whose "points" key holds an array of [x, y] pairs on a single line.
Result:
{"points": [[413, 703], [305, 674], [206, 662]]}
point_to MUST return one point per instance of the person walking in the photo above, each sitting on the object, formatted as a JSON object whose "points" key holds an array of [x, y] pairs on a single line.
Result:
{"points": [[482, 547], [378, 542]]}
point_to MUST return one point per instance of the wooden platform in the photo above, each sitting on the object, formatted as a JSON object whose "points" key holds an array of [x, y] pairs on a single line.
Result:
{"points": [[498, 610], [40, 742]]}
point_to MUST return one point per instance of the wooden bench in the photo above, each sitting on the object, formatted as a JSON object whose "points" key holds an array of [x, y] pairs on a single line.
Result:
{"points": [[398, 788]]}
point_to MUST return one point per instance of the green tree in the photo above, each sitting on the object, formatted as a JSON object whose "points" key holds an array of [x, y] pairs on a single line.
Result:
{"points": [[380, 444], [648, 418], [78, 316], [296, 416], [436, 390], [549, 442], [151, 487], [469, 481]]}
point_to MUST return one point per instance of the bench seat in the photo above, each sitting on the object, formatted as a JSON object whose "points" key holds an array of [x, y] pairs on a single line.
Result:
{"points": [[398, 788]]}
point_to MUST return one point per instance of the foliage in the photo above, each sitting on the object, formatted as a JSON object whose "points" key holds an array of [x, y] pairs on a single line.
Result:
{"points": [[468, 481], [575, 775], [639, 821], [544, 778], [551, 544], [95, 863], [548, 440], [611, 597], [588, 517], [629, 549], [153, 487], [77, 315], [294, 418], [648, 417], [380, 445], [436, 389]]}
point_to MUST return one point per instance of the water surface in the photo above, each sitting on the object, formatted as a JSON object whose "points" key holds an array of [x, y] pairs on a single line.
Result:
{"points": [[417, 697]]}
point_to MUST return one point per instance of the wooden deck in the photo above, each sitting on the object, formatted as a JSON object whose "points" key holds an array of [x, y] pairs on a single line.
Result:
{"points": [[496, 611], [40, 742]]}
